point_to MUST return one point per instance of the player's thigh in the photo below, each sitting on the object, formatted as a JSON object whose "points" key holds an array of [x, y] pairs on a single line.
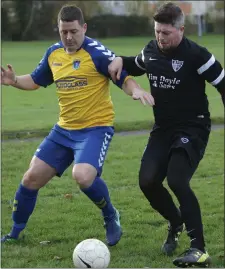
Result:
{"points": [[154, 161], [193, 142], [94, 149], [38, 174], [180, 169], [185, 155], [56, 155]]}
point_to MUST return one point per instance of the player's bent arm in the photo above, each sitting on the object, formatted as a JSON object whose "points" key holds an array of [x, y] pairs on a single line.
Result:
{"points": [[132, 66], [25, 82], [104, 59], [105, 67], [211, 70]]}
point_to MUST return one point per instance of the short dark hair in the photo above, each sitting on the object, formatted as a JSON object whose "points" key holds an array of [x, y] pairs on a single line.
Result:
{"points": [[71, 13], [169, 13]]}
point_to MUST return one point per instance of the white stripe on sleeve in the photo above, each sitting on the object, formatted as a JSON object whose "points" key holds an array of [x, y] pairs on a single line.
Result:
{"points": [[143, 57], [220, 77], [206, 66], [136, 61]]}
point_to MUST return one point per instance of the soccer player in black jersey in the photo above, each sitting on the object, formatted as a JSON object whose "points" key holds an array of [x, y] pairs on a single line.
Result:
{"points": [[177, 69]]}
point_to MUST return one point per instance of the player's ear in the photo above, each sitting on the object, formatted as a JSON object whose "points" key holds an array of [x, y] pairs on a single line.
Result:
{"points": [[182, 28], [85, 27]]}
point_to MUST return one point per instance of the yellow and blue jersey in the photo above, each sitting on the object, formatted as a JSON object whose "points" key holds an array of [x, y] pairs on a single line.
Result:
{"points": [[82, 83]]}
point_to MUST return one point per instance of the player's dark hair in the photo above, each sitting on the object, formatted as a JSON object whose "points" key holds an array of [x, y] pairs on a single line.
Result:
{"points": [[70, 13], [169, 13]]}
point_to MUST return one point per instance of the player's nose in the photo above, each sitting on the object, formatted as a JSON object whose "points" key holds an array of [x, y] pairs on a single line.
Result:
{"points": [[69, 36]]}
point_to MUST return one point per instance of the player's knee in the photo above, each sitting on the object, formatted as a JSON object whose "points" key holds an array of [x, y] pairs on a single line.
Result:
{"points": [[31, 180], [178, 184], [146, 180], [84, 174], [82, 178], [174, 184]]}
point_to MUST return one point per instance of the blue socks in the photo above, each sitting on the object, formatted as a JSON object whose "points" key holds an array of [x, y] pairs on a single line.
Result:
{"points": [[99, 194], [23, 206], [25, 200]]}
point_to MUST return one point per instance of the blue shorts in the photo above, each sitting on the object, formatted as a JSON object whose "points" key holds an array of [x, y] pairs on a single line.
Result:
{"points": [[61, 147]]}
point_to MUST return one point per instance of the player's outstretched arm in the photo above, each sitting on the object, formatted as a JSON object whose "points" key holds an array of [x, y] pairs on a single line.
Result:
{"points": [[131, 88], [9, 78]]}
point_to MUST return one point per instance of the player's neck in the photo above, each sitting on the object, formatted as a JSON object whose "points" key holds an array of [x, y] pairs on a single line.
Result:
{"points": [[70, 52]]}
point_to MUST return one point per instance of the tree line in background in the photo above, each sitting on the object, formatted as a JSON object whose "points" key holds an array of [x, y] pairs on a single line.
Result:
{"points": [[36, 20]]}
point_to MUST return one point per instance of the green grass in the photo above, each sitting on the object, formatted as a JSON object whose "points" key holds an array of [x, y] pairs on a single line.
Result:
{"points": [[38, 110], [65, 222]]}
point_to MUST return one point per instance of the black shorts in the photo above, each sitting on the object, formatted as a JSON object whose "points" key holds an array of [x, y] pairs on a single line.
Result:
{"points": [[191, 136]]}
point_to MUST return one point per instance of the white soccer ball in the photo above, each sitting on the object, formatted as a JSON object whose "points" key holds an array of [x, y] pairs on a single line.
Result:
{"points": [[91, 253]]}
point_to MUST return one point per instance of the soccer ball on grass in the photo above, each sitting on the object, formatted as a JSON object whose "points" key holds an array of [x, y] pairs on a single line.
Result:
{"points": [[91, 253]]}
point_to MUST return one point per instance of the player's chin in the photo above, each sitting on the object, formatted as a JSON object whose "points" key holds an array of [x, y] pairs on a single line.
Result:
{"points": [[71, 46], [167, 48], [164, 46]]}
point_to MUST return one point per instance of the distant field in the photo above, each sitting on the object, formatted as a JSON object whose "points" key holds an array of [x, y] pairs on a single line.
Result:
{"points": [[38, 110], [67, 221]]}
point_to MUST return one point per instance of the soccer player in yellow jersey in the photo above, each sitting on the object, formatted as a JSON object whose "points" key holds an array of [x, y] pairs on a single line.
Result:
{"points": [[78, 65]]}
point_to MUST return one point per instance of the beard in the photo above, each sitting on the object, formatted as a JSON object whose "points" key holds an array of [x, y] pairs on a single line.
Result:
{"points": [[167, 50]]}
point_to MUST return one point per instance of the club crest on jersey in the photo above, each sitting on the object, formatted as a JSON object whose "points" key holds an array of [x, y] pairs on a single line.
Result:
{"points": [[176, 64], [76, 64]]}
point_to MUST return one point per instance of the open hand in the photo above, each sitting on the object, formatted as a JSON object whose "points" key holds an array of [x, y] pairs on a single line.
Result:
{"points": [[143, 96], [8, 76]]}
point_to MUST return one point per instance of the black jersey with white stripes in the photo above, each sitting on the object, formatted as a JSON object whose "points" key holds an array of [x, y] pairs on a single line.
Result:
{"points": [[177, 79]]}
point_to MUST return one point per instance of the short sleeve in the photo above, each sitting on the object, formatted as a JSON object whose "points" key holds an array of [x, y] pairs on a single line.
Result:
{"points": [[139, 60], [42, 75]]}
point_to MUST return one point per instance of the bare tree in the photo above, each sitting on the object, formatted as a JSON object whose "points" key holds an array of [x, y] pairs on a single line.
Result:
{"points": [[219, 5], [30, 21], [89, 8], [139, 8]]}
